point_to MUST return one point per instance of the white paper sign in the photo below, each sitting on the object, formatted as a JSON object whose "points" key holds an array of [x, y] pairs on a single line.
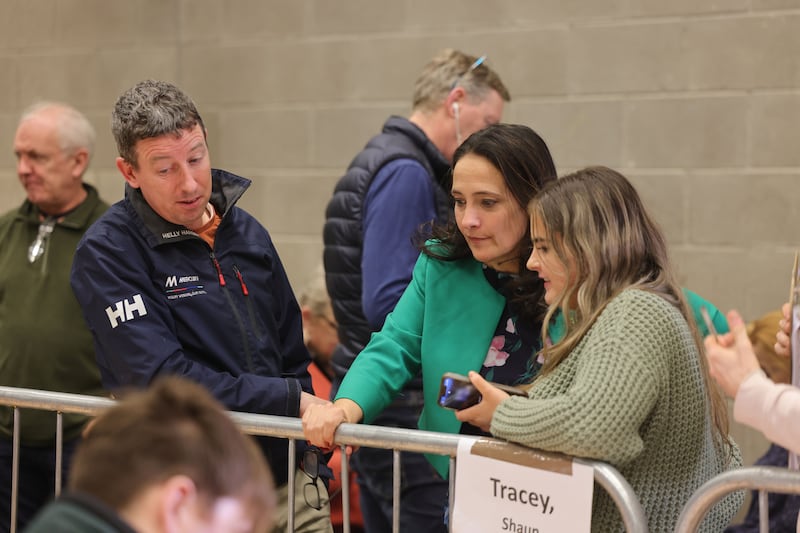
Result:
{"points": [[506, 495]]}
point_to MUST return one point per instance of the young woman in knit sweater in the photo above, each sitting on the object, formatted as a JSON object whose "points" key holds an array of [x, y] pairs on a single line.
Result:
{"points": [[623, 380]]}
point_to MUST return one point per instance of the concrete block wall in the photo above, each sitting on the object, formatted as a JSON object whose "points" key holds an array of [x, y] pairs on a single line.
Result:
{"points": [[697, 101]]}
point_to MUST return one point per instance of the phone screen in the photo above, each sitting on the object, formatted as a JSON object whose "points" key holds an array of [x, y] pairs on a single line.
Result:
{"points": [[457, 394]]}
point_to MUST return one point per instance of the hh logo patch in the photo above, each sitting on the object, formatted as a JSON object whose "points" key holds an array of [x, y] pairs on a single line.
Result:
{"points": [[124, 310]]}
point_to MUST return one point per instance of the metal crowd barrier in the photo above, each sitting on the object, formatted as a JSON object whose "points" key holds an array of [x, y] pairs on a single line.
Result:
{"points": [[765, 479], [398, 440]]}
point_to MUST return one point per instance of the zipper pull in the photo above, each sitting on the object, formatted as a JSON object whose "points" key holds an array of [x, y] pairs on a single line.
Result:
{"points": [[241, 280], [219, 270]]}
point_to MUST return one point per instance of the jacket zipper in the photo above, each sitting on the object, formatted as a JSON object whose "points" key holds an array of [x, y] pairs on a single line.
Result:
{"points": [[219, 270], [250, 309], [241, 280], [242, 329]]}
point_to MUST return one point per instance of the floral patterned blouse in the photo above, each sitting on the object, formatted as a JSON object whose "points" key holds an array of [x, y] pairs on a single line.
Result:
{"points": [[512, 356]]}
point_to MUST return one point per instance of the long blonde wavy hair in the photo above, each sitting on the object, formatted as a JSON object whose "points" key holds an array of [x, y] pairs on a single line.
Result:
{"points": [[597, 224]]}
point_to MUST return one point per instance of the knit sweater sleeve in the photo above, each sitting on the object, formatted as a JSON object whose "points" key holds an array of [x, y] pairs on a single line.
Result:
{"points": [[594, 403]]}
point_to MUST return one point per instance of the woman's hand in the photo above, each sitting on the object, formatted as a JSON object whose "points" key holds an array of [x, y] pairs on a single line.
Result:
{"points": [[480, 415], [320, 421], [730, 357]]}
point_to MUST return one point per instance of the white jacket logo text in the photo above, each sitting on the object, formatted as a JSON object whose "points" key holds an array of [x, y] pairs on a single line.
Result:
{"points": [[124, 310]]}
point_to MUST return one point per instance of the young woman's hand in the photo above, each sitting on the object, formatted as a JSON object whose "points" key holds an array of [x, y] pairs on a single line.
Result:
{"points": [[480, 415]]}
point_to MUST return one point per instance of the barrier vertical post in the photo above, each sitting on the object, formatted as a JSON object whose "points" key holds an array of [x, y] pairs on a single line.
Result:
{"points": [[396, 479], [290, 486], [15, 470], [59, 451]]}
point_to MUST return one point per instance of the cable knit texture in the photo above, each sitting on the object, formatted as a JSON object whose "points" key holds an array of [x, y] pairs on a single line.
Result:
{"points": [[631, 394]]}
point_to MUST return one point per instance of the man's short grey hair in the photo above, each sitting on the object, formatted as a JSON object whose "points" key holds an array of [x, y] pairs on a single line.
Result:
{"points": [[150, 109], [450, 69], [74, 129]]}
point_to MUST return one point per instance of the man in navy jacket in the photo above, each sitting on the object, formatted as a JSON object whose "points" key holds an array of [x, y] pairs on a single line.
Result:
{"points": [[175, 279]]}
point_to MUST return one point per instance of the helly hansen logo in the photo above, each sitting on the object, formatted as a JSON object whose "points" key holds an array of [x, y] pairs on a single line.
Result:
{"points": [[124, 310]]}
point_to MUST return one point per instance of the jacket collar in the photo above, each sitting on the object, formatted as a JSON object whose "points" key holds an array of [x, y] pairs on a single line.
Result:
{"points": [[96, 509], [439, 164], [226, 189], [78, 218]]}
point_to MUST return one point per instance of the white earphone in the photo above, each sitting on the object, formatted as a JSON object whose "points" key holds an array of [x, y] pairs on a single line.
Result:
{"points": [[456, 119]]}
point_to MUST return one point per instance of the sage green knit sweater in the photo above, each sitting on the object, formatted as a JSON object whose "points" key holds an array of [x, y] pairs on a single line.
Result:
{"points": [[631, 394]]}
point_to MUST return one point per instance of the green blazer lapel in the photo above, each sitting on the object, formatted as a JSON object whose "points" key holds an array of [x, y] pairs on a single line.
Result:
{"points": [[466, 320], [475, 326]]}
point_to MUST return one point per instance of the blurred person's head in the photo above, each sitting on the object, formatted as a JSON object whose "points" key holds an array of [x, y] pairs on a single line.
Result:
{"points": [[53, 145], [163, 151], [169, 459], [762, 333], [319, 326], [456, 95]]}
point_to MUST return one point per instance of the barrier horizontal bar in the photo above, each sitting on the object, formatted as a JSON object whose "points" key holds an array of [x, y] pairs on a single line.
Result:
{"points": [[348, 434], [64, 402], [769, 478]]}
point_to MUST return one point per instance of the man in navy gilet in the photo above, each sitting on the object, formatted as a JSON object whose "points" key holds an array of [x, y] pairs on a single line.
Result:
{"points": [[393, 187]]}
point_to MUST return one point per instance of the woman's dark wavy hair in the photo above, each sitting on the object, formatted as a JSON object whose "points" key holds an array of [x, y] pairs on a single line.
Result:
{"points": [[524, 160]]}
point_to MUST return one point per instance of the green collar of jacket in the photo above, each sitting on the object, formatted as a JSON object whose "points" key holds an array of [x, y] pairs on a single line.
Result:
{"points": [[78, 218]]}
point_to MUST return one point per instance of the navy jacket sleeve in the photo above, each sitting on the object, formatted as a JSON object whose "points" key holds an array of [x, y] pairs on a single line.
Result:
{"points": [[139, 333], [400, 199]]}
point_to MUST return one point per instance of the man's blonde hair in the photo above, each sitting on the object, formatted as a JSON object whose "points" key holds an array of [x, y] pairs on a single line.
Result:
{"points": [[450, 69]]}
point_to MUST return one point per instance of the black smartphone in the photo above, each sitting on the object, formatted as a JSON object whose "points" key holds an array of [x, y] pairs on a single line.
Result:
{"points": [[457, 392]]}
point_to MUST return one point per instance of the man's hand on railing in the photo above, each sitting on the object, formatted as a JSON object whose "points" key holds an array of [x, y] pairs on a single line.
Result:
{"points": [[321, 420], [307, 400]]}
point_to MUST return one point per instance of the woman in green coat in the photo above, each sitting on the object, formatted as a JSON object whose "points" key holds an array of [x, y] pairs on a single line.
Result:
{"points": [[471, 304]]}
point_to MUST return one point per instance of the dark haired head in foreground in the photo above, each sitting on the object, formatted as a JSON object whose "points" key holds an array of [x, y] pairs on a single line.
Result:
{"points": [[165, 459]]}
